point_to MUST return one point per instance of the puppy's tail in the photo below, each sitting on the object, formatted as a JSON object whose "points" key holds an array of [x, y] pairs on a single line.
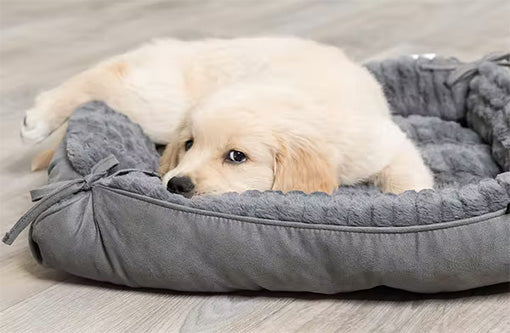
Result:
{"points": [[42, 160]]}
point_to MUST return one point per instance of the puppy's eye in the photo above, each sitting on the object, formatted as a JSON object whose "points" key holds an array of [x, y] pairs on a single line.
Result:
{"points": [[188, 144], [235, 156]]}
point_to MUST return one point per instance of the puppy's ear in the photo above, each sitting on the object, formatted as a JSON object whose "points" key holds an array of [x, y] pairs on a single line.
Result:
{"points": [[170, 157], [303, 168]]}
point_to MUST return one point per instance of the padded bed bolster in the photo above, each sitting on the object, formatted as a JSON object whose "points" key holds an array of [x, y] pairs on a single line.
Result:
{"points": [[193, 250], [411, 88]]}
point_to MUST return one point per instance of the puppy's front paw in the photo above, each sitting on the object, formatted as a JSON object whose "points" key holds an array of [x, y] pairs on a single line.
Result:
{"points": [[36, 126]]}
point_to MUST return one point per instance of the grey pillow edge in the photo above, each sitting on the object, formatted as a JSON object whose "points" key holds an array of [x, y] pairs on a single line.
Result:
{"points": [[411, 228], [442, 263]]}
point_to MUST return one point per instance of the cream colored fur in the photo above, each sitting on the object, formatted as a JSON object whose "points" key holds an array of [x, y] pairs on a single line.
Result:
{"points": [[306, 116]]}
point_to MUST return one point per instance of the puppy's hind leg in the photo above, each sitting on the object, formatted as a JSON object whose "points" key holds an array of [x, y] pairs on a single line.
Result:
{"points": [[406, 171], [52, 108]]}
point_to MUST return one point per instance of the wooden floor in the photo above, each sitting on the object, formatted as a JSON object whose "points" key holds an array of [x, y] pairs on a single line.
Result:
{"points": [[43, 42]]}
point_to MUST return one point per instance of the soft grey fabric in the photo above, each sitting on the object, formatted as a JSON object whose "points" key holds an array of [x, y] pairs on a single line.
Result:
{"points": [[96, 131], [126, 228]]}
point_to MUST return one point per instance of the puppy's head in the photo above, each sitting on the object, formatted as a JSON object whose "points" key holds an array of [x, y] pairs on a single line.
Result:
{"points": [[226, 147]]}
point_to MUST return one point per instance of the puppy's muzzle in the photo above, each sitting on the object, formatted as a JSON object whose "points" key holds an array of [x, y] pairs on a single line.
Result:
{"points": [[181, 185]]}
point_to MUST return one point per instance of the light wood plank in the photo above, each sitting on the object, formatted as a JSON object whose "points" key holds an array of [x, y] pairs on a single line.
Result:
{"points": [[107, 308]]}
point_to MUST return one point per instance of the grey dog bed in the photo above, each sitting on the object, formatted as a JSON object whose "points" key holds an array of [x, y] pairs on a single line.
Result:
{"points": [[106, 215]]}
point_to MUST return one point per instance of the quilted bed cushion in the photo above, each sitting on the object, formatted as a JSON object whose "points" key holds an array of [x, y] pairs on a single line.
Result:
{"points": [[125, 227]]}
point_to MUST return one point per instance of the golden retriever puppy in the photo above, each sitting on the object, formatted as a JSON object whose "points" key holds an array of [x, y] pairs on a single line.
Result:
{"points": [[248, 114]]}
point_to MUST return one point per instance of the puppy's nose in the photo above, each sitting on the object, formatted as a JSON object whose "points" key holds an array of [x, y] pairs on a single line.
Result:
{"points": [[180, 185]]}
